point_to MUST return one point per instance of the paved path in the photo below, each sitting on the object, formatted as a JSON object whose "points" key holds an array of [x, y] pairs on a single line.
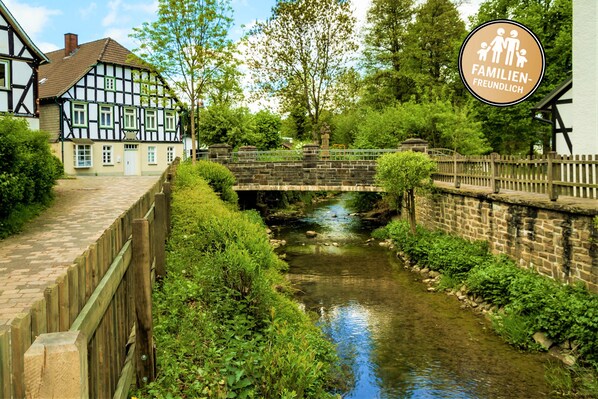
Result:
{"points": [[83, 208]]}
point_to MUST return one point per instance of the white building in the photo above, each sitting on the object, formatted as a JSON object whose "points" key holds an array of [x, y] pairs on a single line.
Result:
{"points": [[107, 113], [19, 63]]}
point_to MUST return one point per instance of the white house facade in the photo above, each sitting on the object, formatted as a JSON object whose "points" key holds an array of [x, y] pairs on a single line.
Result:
{"points": [[107, 113], [19, 63]]}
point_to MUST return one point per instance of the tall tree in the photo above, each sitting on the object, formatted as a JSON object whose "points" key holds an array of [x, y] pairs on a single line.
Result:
{"points": [[386, 30], [301, 50], [432, 47], [188, 45]]}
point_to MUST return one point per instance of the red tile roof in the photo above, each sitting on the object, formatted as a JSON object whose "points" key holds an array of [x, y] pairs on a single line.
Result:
{"points": [[61, 73]]}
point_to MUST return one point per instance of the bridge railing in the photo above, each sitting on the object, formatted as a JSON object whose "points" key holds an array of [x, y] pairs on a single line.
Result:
{"points": [[248, 154]]}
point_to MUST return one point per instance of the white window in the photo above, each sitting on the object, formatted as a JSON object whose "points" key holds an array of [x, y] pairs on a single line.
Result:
{"points": [[130, 118], [107, 158], [169, 119], [79, 118], [83, 156], [106, 116], [109, 83], [151, 154], [150, 119], [169, 154], [4, 74]]}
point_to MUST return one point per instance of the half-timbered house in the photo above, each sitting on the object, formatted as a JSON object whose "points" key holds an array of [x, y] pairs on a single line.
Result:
{"points": [[108, 114], [19, 63]]}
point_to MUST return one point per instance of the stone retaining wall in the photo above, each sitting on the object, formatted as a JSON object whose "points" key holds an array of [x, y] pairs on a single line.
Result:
{"points": [[554, 238]]}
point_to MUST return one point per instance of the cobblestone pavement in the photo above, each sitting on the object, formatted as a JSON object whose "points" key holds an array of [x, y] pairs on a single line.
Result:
{"points": [[83, 208]]}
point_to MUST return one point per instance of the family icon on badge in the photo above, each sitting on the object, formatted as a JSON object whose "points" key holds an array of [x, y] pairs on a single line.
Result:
{"points": [[508, 44]]}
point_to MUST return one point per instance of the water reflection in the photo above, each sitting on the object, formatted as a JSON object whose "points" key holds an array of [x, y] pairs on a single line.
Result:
{"points": [[399, 340]]}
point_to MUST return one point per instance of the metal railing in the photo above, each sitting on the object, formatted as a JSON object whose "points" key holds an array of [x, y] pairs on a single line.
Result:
{"points": [[298, 155]]}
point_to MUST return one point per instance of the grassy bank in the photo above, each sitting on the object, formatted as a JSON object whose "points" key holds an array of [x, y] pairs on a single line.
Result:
{"points": [[525, 302], [224, 324]]}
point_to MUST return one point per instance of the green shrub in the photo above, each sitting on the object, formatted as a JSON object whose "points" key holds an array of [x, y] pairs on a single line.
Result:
{"points": [[220, 179], [28, 171], [492, 279], [222, 329]]}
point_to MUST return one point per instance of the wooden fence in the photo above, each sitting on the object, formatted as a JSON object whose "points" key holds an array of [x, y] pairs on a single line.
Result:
{"points": [[94, 324], [551, 174]]}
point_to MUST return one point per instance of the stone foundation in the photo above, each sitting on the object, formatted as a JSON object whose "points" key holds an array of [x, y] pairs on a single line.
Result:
{"points": [[556, 239]]}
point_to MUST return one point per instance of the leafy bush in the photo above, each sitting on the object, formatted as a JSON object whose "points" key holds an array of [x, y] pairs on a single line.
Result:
{"points": [[28, 171], [223, 328], [220, 179]]}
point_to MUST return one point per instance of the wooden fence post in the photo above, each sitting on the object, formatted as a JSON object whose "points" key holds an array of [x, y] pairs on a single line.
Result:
{"points": [[552, 175], [144, 344], [56, 366], [495, 182], [456, 171], [167, 189], [160, 234]]}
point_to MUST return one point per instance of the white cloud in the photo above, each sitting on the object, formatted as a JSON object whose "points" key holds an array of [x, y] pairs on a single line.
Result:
{"points": [[33, 19], [113, 13], [89, 10]]}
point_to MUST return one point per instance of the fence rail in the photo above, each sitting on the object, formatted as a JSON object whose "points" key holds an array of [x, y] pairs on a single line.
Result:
{"points": [[298, 155], [550, 174]]}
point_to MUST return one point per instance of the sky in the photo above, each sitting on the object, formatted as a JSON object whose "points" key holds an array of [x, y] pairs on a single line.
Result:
{"points": [[46, 21]]}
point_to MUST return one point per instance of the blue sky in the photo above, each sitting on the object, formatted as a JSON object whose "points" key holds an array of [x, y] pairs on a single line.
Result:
{"points": [[46, 21]]}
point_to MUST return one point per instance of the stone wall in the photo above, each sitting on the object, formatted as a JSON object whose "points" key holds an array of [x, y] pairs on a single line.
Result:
{"points": [[557, 239]]}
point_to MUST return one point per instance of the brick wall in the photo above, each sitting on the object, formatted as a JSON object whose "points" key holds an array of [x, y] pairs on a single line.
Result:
{"points": [[557, 239]]}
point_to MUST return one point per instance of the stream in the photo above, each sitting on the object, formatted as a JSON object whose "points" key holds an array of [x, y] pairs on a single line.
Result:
{"points": [[399, 340]]}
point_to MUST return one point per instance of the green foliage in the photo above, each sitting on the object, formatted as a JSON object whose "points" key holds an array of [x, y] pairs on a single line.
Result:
{"points": [[222, 329], [531, 302], [266, 133], [301, 51], [441, 124], [28, 171], [363, 202], [399, 172], [222, 124], [220, 179]]}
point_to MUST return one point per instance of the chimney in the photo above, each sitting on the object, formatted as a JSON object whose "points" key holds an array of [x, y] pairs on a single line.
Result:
{"points": [[71, 43]]}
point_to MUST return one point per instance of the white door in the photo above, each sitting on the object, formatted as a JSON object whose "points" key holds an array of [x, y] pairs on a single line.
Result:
{"points": [[130, 159]]}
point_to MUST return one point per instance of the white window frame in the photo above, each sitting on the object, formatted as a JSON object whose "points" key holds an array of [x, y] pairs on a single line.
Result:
{"points": [[79, 114], [83, 156], [106, 110], [109, 83], [151, 119], [152, 157], [6, 84], [170, 154], [107, 154], [130, 115], [169, 121]]}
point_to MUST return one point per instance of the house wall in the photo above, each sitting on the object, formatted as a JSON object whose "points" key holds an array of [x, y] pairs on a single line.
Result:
{"points": [[117, 167], [17, 96], [553, 239], [585, 77]]}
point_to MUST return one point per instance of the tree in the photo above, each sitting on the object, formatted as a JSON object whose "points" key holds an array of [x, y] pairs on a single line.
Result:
{"points": [[401, 173], [266, 130], [387, 22], [432, 46], [188, 45], [221, 123], [300, 52]]}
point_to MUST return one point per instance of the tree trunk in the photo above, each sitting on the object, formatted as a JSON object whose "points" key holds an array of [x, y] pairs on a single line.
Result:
{"points": [[410, 200], [193, 140]]}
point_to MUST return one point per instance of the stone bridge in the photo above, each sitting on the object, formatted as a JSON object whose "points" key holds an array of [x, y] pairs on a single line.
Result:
{"points": [[309, 169]]}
